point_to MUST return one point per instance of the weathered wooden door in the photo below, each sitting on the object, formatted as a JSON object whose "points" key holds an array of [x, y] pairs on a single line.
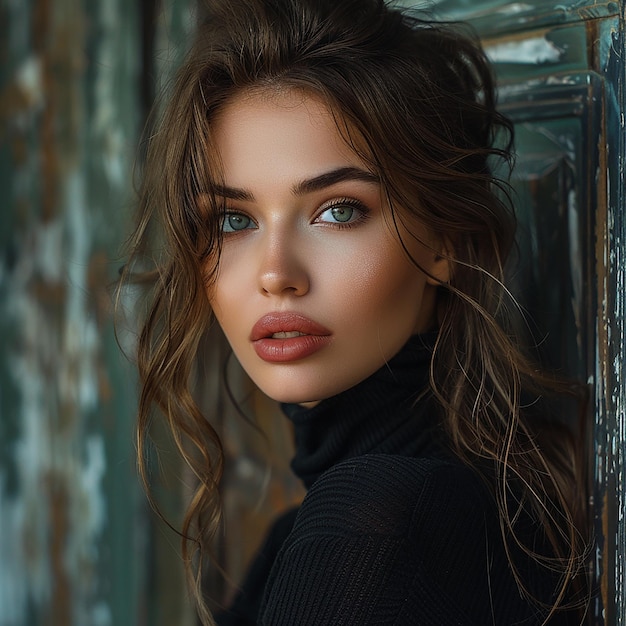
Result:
{"points": [[561, 70]]}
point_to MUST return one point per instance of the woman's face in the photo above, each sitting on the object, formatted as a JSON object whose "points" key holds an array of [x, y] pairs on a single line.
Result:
{"points": [[314, 291]]}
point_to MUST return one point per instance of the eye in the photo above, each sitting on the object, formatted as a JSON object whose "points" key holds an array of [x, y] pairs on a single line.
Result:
{"points": [[338, 214], [344, 212], [235, 222]]}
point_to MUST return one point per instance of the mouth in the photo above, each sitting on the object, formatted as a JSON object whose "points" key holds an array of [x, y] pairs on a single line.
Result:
{"points": [[286, 337], [286, 326]]}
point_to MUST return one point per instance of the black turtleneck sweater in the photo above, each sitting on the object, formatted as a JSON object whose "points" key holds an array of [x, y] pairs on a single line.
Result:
{"points": [[393, 529]]}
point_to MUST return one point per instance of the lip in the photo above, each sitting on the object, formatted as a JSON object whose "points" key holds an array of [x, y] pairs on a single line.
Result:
{"points": [[313, 337]]}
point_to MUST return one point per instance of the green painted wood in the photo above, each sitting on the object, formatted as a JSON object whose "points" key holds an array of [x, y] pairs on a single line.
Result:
{"points": [[73, 542], [561, 71], [500, 16]]}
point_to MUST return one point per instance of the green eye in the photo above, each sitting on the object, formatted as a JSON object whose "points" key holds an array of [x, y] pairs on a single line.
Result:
{"points": [[342, 213], [339, 214], [234, 222]]}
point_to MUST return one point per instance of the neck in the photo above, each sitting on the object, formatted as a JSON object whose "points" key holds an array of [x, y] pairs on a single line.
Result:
{"points": [[391, 412]]}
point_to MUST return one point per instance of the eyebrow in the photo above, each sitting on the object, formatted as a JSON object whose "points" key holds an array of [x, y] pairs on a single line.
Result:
{"points": [[309, 185]]}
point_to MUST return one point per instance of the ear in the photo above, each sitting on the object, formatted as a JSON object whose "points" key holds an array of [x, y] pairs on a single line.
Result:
{"points": [[439, 271]]}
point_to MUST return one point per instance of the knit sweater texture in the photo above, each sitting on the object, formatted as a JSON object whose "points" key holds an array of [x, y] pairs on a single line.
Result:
{"points": [[393, 529]]}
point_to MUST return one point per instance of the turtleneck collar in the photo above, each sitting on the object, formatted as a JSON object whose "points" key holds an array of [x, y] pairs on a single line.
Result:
{"points": [[390, 412]]}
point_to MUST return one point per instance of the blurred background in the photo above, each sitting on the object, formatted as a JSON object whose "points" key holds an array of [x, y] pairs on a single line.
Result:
{"points": [[78, 543], [76, 81]]}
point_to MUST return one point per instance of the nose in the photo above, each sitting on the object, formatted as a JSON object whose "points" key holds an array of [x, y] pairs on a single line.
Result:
{"points": [[283, 266]]}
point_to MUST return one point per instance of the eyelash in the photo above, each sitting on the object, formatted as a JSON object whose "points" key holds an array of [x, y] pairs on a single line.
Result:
{"points": [[338, 202], [230, 212]]}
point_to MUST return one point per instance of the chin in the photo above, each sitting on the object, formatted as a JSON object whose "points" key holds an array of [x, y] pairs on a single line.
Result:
{"points": [[306, 390], [291, 398], [305, 397]]}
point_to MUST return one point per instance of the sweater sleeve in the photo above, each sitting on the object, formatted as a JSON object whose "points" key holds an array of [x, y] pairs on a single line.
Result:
{"points": [[382, 539]]}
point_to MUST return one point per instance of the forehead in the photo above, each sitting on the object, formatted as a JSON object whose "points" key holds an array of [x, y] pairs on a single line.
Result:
{"points": [[293, 122]]}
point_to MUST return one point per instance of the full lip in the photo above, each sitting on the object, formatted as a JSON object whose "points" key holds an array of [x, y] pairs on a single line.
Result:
{"points": [[286, 322]]}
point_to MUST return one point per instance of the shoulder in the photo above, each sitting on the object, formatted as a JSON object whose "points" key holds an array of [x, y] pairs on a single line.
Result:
{"points": [[383, 538], [394, 495]]}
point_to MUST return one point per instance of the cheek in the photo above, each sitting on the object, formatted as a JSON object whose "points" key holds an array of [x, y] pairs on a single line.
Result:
{"points": [[380, 289], [400, 294], [227, 288], [226, 307]]}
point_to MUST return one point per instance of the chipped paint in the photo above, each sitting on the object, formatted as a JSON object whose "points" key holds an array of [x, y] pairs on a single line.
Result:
{"points": [[514, 8], [70, 119], [610, 432], [60, 514], [533, 50], [561, 67], [503, 16], [73, 533]]}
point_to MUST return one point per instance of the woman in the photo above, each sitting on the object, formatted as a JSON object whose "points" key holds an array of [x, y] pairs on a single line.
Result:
{"points": [[321, 184]]}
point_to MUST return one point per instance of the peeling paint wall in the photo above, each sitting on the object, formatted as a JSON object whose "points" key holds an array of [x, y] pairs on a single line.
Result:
{"points": [[74, 542], [561, 68]]}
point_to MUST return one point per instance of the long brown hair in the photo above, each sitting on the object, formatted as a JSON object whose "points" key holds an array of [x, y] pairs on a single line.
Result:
{"points": [[415, 99]]}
